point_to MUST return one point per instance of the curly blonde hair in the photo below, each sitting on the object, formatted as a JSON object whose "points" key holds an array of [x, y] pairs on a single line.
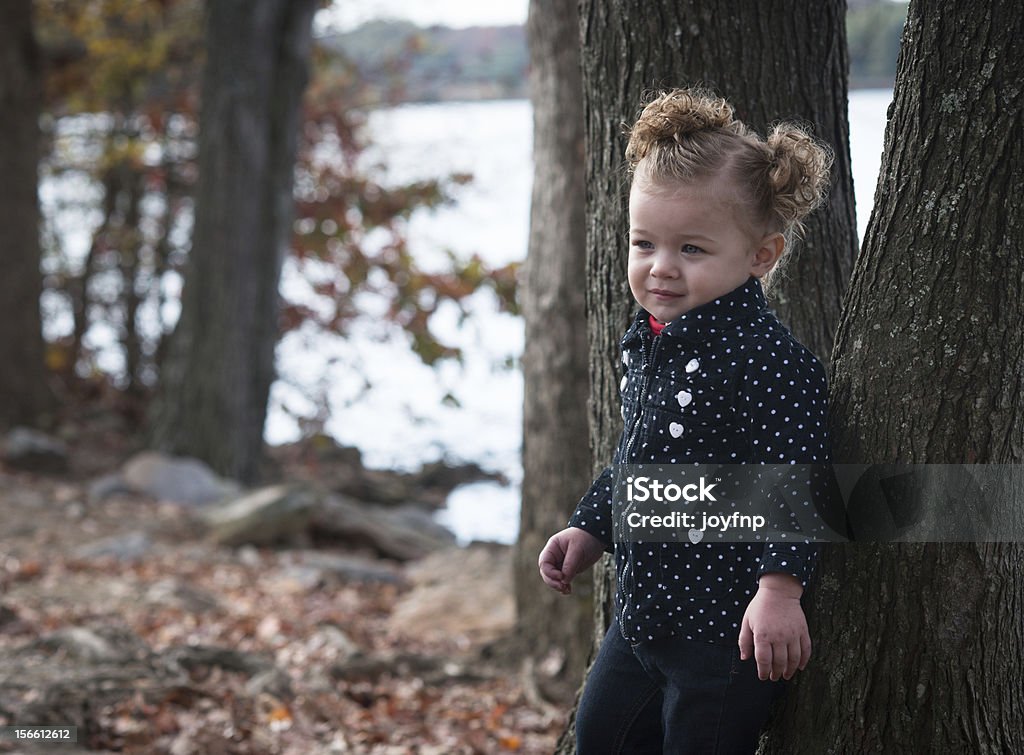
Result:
{"points": [[688, 135]]}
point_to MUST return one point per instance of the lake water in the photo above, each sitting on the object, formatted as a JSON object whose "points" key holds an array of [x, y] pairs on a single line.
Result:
{"points": [[404, 419]]}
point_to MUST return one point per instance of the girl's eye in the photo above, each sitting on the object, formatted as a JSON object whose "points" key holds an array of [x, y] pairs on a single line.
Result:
{"points": [[641, 244], [691, 249]]}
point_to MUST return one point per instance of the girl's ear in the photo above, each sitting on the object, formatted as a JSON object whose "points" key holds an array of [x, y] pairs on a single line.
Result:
{"points": [[769, 250]]}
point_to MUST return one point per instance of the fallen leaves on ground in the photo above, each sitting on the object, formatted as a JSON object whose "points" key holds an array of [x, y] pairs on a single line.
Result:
{"points": [[316, 667]]}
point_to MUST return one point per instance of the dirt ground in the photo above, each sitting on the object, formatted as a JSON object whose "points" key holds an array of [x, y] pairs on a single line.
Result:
{"points": [[177, 645]]}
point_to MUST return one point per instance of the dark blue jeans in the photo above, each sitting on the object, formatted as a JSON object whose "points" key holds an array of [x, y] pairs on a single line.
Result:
{"points": [[673, 696]]}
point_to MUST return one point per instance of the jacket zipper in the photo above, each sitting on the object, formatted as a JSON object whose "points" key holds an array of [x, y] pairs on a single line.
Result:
{"points": [[648, 364], [647, 367]]}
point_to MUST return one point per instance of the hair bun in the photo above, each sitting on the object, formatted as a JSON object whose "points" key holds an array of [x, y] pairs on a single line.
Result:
{"points": [[690, 136], [675, 115], [799, 171]]}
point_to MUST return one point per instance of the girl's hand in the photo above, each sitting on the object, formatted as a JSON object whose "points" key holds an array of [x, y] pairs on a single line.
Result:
{"points": [[774, 629], [566, 554]]}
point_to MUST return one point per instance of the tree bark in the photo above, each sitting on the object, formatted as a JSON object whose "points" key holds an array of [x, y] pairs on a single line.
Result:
{"points": [[216, 379], [919, 646], [23, 382], [557, 463], [781, 59]]}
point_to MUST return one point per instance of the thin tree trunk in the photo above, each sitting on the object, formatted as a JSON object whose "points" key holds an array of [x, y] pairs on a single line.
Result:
{"points": [[556, 458], [131, 301], [217, 376], [919, 647], [780, 59], [23, 382]]}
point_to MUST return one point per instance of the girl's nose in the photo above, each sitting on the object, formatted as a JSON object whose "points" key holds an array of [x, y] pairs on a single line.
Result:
{"points": [[663, 266]]}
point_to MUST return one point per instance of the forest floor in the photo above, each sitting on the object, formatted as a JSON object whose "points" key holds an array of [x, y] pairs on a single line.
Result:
{"points": [[187, 647]]}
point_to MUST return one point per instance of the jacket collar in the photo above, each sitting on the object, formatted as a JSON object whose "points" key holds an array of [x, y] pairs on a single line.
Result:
{"points": [[740, 304]]}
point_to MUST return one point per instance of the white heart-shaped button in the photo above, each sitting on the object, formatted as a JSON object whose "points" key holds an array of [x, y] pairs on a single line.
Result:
{"points": [[684, 398], [622, 411], [622, 383], [696, 535], [692, 365], [675, 429], [625, 358]]}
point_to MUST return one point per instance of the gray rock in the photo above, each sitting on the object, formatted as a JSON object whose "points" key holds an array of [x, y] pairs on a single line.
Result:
{"points": [[352, 568], [106, 486], [96, 645], [420, 519], [458, 592], [172, 592], [179, 479], [431, 669], [29, 498], [128, 547], [265, 516], [273, 682], [193, 657], [340, 469], [35, 451], [297, 578], [401, 534], [364, 668], [330, 636]]}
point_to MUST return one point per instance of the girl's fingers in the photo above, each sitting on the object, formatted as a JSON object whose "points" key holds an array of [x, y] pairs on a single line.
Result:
{"points": [[780, 661], [556, 565], [551, 558], [795, 658], [765, 658], [551, 575], [805, 650], [571, 562], [746, 640]]}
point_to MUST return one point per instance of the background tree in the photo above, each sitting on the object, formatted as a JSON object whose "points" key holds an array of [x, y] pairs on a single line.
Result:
{"points": [[216, 380], [119, 168], [556, 460], [750, 56], [23, 380], [918, 646]]}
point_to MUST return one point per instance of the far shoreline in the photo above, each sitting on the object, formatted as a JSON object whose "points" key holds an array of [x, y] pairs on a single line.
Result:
{"points": [[467, 99]]}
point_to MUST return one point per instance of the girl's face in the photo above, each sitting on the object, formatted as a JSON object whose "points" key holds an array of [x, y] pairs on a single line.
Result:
{"points": [[686, 248]]}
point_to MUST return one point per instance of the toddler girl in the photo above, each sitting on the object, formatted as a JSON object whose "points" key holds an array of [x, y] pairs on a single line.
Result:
{"points": [[705, 633]]}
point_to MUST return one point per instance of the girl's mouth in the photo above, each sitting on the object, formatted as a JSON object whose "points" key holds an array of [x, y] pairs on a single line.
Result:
{"points": [[663, 295]]}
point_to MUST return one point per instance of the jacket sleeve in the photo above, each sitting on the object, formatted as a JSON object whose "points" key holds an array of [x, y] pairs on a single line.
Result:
{"points": [[594, 512], [782, 396]]}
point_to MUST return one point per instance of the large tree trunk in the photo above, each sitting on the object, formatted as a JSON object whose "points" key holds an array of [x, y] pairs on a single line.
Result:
{"points": [[217, 376], [556, 457], [23, 382], [919, 647], [772, 60]]}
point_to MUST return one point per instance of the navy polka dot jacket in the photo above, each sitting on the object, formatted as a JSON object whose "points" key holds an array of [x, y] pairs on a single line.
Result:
{"points": [[723, 383]]}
